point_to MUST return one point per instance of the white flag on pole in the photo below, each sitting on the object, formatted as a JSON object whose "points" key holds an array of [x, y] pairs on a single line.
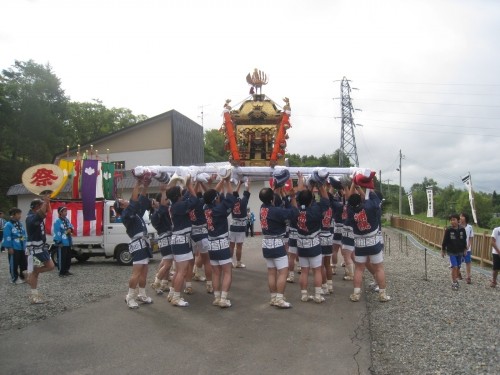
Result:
{"points": [[468, 185], [410, 201], [430, 202]]}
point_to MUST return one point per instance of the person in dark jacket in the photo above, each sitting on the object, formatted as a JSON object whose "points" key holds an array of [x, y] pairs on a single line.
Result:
{"points": [[455, 245], [132, 213], [273, 221], [218, 206], [36, 245]]}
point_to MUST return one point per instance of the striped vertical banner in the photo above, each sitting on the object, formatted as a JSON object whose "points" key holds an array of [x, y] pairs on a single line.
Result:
{"points": [[83, 228]]}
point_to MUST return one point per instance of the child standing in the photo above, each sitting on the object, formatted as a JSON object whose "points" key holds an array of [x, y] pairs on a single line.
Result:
{"points": [[455, 245], [495, 251]]}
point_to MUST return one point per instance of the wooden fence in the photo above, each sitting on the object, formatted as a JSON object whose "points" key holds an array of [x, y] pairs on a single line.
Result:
{"points": [[433, 235]]}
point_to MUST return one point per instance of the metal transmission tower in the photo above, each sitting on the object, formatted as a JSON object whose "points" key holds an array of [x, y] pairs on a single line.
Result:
{"points": [[347, 139]]}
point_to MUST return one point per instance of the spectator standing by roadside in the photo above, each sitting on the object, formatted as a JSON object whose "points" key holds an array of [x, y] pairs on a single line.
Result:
{"points": [[455, 245], [2, 226], [495, 251], [464, 222], [15, 243], [63, 238], [250, 222]]}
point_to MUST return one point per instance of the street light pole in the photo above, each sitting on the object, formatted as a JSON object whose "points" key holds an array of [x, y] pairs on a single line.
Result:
{"points": [[400, 190]]}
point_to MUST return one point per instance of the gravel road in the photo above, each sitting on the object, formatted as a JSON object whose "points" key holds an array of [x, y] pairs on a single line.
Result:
{"points": [[427, 328]]}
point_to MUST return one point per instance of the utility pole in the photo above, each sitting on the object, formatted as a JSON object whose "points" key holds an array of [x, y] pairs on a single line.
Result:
{"points": [[388, 187], [400, 169], [202, 114]]}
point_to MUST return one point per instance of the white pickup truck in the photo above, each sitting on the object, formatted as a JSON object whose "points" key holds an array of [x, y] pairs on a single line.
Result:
{"points": [[110, 241]]}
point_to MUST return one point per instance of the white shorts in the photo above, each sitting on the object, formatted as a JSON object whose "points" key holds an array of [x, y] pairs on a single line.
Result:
{"points": [[278, 263], [236, 237], [142, 261], [347, 248], [168, 257], [313, 262], [292, 249], [220, 262], [183, 257], [374, 259], [201, 246]]}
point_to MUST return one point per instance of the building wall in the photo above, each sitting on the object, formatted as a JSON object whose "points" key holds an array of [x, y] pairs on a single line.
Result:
{"points": [[155, 136], [147, 157], [188, 143]]}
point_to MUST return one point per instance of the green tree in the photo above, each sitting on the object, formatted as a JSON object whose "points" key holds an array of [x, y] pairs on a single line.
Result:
{"points": [[33, 109], [495, 201], [214, 146], [419, 193], [35, 114], [88, 121], [294, 160], [330, 161], [484, 209], [445, 201], [37, 121]]}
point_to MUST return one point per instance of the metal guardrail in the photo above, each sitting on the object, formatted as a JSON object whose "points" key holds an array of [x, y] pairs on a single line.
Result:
{"points": [[433, 235]]}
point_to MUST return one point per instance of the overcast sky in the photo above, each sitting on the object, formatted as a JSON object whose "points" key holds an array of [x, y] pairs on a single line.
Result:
{"points": [[426, 70]]}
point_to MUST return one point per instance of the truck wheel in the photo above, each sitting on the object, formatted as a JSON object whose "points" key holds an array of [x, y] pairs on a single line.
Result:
{"points": [[123, 256], [81, 258]]}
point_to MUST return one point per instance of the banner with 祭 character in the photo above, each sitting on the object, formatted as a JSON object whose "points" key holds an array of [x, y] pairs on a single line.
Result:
{"points": [[43, 179]]}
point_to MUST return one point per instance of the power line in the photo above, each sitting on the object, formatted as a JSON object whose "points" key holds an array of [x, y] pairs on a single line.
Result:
{"points": [[436, 131], [441, 93], [430, 103], [437, 83], [433, 124], [435, 115]]}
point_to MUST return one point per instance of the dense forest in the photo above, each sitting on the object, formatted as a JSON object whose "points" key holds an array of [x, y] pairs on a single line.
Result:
{"points": [[38, 120]]}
